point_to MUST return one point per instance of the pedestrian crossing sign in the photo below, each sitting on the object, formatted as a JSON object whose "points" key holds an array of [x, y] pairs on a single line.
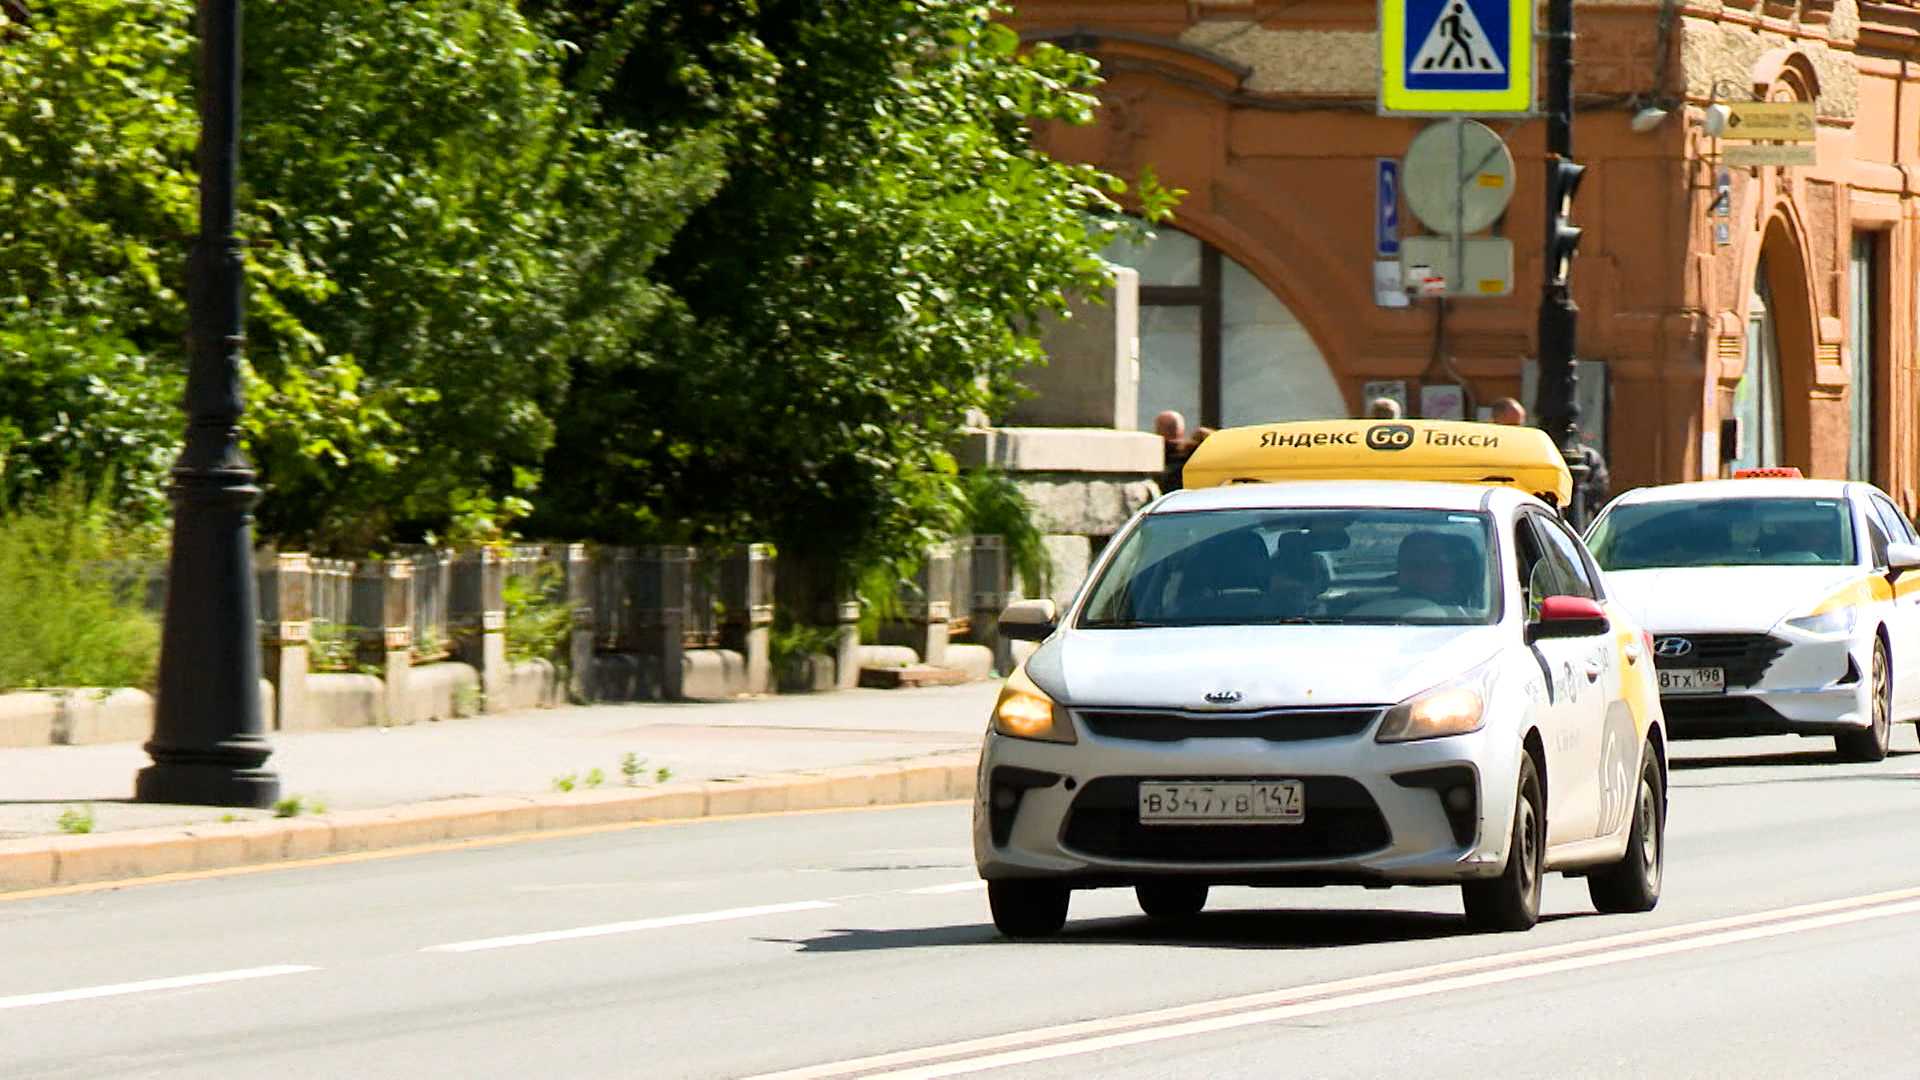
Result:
{"points": [[1456, 57]]}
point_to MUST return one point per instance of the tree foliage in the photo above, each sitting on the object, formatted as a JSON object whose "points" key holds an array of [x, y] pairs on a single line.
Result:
{"points": [[96, 130], [645, 270], [868, 273]]}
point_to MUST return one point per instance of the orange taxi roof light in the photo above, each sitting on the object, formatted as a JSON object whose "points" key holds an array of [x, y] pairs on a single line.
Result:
{"points": [[1789, 471]]}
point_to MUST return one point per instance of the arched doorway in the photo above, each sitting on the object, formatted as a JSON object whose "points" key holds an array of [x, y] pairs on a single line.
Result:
{"points": [[1756, 397], [1216, 345]]}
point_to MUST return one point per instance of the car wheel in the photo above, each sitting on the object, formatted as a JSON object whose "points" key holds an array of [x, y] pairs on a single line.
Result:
{"points": [[1171, 899], [1512, 900], [1633, 883], [1870, 743], [1028, 909]]}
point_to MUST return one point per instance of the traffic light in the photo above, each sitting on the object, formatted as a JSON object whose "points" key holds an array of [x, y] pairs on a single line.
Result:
{"points": [[1563, 179]]}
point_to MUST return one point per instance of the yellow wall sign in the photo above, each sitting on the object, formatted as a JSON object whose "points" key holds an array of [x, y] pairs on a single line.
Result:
{"points": [[1786, 121], [1456, 57]]}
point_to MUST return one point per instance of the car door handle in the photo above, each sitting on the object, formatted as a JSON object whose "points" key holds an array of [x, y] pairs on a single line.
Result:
{"points": [[1593, 672]]}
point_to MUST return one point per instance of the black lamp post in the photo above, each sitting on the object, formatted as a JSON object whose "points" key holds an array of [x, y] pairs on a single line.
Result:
{"points": [[208, 746], [1556, 402]]}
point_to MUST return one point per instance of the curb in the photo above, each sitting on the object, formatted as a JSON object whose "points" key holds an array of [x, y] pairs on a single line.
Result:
{"points": [[49, 861]]}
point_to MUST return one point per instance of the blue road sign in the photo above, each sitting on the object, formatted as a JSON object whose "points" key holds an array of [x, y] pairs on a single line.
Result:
{"points": [[1456, 56], [1386, 217]]}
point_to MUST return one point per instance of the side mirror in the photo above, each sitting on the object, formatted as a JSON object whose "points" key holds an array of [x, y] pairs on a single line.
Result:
{"points": [[1027, 620], [1568, 616], [1903, 557]]}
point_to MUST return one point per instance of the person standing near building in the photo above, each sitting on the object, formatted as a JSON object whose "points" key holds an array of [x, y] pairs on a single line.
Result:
{"points": [[1596, 486], [1172, 429], [1383, 408]]}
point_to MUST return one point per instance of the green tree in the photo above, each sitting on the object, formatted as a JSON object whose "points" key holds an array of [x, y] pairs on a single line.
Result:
{"points": [[96, 132], [868, 273], [476, 233]]}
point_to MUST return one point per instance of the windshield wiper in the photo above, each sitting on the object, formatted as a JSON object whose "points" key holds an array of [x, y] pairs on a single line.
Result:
{"points": [[1119, 624]]}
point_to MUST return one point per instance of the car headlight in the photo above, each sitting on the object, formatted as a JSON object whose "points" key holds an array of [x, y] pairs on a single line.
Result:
{"points": [[1837, 621], [1453, 709], [1024, 711]]}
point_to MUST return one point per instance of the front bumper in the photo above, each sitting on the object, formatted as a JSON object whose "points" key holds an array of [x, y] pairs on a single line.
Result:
{"points": [[1376, 814], [1778, 684]]}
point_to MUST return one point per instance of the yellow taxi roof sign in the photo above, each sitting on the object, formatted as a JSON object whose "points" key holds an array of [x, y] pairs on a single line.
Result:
{"points": [[1449, 450]]}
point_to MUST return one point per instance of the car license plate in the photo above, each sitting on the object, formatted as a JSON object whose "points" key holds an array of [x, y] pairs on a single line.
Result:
{"points": [[1275, 802], [1704, 680]]}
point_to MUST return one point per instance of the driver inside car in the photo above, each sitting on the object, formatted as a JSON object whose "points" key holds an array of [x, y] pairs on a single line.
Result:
{"points": [[1436, 574]]}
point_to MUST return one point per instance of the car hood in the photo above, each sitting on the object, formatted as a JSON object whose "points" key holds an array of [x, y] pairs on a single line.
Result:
{"points": [[1270, 666], [1733, 598]]}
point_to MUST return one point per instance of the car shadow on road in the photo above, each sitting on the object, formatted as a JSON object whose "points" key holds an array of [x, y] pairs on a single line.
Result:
{"points": [[1296, 929], [1793, 757]]}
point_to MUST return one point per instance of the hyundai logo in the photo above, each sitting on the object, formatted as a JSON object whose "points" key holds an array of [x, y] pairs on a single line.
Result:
{"points": [[1224, 697], [1672, 647]]}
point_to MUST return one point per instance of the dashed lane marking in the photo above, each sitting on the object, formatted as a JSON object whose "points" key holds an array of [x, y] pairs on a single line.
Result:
{"points": [[629, 927], [56, 997]]}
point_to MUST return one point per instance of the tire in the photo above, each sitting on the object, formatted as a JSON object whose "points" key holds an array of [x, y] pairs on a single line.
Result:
{"points": [[1512, 900], [1028, 909], [1633, 884], [1171, 899], [1870, 743]]}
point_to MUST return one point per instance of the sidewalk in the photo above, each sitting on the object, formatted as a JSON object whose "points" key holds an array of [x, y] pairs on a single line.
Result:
{"points": [[414, 771]]}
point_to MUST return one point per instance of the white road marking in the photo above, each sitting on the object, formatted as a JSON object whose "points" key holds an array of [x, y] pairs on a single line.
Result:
{"points": [[628, 927], [950, 887], [1091, 1036], [27, 1001]]}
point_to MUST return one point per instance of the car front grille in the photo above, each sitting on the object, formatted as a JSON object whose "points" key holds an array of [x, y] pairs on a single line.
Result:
{"points": [[1275, 725], [1341, 820], [1744, 656]]}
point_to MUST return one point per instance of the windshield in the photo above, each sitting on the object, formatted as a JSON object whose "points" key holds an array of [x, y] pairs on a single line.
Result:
{"points": [[1313, 566], [1724, 532]]}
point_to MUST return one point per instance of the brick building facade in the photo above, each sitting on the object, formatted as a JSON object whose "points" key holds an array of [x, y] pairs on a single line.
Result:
{"points": [[1791, 306]]}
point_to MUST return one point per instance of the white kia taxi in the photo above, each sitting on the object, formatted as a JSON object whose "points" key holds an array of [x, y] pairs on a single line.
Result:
{"points": [[1778, 605], [1350, 652]]}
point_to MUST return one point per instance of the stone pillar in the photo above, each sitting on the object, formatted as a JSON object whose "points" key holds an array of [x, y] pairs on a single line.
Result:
{"points": [[659, 589], [286, 633], [991, 587], [925, 613], [576, 575], [846, 653], [478, 612], [382, 618], [1092, 374], [746, 598]]}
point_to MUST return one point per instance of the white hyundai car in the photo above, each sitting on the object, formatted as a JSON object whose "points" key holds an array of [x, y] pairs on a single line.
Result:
{"points": [[1778, 605], [1302, 683]]}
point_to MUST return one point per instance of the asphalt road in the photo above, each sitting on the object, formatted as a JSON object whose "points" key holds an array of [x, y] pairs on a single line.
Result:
{"points": [[857, 944]]}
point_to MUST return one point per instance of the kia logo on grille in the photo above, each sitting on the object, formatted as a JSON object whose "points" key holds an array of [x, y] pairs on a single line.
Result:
{"points": [[1672, 647], [1224, 697]]}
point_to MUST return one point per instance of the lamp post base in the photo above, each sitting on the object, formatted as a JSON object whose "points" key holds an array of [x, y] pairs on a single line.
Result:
{"points": [[204, 784]]}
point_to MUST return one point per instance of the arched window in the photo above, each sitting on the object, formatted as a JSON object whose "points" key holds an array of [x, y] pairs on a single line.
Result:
{"points": [[1215, 344]]}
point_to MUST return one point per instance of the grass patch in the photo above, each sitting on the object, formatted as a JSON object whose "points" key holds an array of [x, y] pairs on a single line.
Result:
{"points": [[73, 588], [77, 820]]}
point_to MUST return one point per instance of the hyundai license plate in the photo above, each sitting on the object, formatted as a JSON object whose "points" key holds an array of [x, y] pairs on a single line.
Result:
{"points": [[1704, 680], [1271, 802]]}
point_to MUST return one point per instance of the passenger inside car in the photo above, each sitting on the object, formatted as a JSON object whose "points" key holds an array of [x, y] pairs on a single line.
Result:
{"points": [[1297, 576]]}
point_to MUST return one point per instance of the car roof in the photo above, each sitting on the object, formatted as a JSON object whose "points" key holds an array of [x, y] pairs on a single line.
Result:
{"points": [[1393, 494], [1754, 488]]}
